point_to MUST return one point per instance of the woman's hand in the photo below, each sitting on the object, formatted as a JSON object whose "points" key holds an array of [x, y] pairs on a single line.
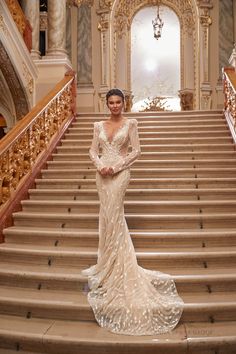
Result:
{"points": [[107, 171]]}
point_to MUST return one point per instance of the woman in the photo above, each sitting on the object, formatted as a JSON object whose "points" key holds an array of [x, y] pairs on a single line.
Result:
{"points": [[125, 297]]}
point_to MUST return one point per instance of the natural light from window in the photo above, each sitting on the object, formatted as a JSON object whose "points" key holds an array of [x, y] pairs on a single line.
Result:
{"points": [[155, 64]]}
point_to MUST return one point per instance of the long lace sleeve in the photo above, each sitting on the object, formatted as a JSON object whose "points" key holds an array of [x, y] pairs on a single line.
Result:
{"points": [[129, 159], [94, 149]]}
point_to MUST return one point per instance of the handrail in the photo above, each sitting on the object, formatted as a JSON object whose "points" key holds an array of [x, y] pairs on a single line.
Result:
{"points": [[229, 80], [229, 85], [31, 137]]}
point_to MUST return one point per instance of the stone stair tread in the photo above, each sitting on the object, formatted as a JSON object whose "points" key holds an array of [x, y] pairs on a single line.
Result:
{"points": [[67, 335], [147, 179], [197, 140], [137, 233], [131, 202], [142, 252], [171, 154], [77, 298], [149, 216], [73, 192], [41, 271], [146, 162], [148, 169]]}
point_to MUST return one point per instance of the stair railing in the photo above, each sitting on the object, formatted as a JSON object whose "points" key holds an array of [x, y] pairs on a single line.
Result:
{"points": [[229, 84], [28, 145]]}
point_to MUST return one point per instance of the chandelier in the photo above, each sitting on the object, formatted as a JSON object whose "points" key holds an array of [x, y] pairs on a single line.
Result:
{"points": [[157, 24]]}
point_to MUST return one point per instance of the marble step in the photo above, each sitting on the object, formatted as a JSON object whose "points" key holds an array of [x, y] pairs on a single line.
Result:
{"points": [[224, 133], [134, 221], [147, 183], [141, 238], [74, 141], [169, 116], [73, 305], [62, 161], [82, 257], [74, 154], [84, 173], [131, 206], [16, 351], [162, 126], [42, 276], [155, 127], [135, 194], [190, 149], [48, 336]]}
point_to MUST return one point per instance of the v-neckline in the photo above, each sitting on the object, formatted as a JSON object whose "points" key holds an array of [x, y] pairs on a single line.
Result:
{"points": [[115, 133]]}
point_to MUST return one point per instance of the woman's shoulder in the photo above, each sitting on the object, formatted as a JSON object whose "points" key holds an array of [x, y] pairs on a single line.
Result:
{"points": [[98, 124], [133, 121]]}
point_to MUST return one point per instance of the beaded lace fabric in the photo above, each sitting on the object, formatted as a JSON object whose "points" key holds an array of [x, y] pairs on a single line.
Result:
{"points": [[125, 298]]}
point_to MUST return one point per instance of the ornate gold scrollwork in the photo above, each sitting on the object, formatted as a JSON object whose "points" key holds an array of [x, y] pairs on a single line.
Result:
{"points": [[103, 24], [19, 155], [230, 93], [106, 4]]}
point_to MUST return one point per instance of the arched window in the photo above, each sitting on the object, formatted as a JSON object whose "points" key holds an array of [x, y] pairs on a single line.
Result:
{"points": [[155, 64]]}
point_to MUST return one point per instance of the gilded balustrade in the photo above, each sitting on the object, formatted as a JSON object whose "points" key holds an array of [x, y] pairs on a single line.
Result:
{"points": [[30, 137], [229, 79]]}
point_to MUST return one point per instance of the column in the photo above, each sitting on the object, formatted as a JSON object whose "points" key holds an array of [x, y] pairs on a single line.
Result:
{"points": [[103, 27], [56, 29], [205, 22], [31, 10], [234, 19]]}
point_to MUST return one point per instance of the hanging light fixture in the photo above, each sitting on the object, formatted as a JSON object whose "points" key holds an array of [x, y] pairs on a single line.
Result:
{"points": [[157, 23]]}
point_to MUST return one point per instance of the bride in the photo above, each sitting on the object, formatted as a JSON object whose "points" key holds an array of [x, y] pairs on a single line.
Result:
{"points": [[125, 298]]}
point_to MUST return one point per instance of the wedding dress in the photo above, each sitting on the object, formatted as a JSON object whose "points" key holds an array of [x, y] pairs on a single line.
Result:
{"points": [[125, 298]]}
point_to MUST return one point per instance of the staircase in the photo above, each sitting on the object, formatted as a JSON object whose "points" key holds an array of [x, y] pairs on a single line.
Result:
{"points": [[181, 211]]}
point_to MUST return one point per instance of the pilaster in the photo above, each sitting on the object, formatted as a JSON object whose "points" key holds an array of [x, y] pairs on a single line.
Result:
{"points": [[205, 22]]}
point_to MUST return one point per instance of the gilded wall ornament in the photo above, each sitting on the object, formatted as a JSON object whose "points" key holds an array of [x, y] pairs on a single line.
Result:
{"points": [[28, 78], [106, 4], [103, 23]]}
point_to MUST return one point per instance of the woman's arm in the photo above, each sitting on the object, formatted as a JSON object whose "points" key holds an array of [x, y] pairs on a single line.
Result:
{"points": [[94, 149], [128, 160]]}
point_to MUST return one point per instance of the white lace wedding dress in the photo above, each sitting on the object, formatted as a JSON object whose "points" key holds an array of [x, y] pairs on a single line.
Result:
{"points": [[125, 297]]}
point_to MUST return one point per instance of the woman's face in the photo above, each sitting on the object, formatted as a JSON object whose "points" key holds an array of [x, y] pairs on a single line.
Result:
{"points": [[115, 104]]}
